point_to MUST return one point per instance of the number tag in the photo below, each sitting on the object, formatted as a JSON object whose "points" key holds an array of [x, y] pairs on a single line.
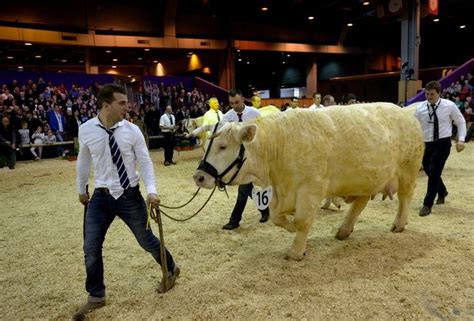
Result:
{"points": [[262, 198]]}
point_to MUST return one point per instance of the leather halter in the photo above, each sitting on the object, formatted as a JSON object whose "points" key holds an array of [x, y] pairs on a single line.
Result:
{"points": [[206, 167]]}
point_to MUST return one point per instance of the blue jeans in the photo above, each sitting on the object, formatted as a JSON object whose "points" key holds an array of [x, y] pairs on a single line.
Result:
{"points": [[102, 209]]}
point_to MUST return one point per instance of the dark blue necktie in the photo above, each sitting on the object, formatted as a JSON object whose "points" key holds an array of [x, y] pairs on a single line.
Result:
{"points": [[435, 123], [117, 158]]}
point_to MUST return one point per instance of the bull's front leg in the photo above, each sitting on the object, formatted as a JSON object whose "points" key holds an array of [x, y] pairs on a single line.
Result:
{"points": [[306, 206], [281, 219]]}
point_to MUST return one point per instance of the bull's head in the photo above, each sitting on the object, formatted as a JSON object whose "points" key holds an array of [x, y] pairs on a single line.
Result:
{"points": [[224, 155]]}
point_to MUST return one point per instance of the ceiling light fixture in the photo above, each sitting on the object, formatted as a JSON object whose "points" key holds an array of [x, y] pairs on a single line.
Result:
{"points": [[436, 20], [37, 56], [264, 9], [140, 58], [108, 51], [462, 26], [350, 24], [155, 61], [28, 44], [115, 59], [20, 67], [114, 67], [366, 3], [146, 49], [310, 18], [10, 57]]}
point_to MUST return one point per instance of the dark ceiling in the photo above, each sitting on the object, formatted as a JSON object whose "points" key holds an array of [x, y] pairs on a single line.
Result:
{"points": [[284, 21]]}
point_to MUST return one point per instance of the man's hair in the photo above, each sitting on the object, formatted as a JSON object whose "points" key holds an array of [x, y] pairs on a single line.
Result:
{"points": [[294, 98], [106, 94], [433, 85], [316, 93], [327, 99], [234, 92]]}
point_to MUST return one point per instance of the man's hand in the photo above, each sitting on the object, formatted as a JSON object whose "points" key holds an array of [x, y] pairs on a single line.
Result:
{"points": [[154, 200], [84, 199], [188, 135], [460, 146]]}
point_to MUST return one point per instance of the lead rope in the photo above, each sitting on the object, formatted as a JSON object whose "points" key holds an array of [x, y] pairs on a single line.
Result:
{"points": [[164, 263], [190, 217]]}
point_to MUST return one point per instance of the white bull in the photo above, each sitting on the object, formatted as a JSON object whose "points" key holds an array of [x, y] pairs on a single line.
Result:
{"points": [[355, 152]]}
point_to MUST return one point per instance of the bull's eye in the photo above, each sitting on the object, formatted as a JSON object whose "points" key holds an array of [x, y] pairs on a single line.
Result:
{"points": [[222, 147]]}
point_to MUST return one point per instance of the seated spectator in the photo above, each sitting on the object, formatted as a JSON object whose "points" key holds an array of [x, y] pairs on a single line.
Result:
{"points": [[49, 140], [38, 138]]}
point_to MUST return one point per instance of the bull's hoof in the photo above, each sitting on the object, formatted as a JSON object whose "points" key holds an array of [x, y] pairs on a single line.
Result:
{"points": [[293, 256], [397, 229], [343, 234]]}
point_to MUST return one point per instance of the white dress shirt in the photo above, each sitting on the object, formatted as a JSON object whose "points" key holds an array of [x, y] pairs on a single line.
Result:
{"points": [[167, 120], [247, 114], [447, 112], [314, 107], [95, 149]]}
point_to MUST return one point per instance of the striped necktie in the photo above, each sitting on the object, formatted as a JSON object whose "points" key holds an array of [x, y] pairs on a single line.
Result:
{"points": [[117, 158]]}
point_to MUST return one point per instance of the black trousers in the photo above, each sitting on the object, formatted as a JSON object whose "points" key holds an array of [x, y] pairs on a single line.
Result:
{"points": [[436, 154], [245, 191], [9, 153], [169, 146]]}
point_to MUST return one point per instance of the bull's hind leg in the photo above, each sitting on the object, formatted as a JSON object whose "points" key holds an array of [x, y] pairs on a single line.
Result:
{"points": [[406, 189], [306, 207], [357, 205]]}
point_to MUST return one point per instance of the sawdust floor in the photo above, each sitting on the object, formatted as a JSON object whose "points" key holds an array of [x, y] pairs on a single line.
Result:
{"points": [[424, 273]]}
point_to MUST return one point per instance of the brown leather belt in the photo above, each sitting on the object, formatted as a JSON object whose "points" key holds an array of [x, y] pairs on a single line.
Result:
{"points": [[103, 190]]}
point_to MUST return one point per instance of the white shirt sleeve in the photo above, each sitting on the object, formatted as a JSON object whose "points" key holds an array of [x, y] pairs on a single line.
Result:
{"points": [[83, 166]]}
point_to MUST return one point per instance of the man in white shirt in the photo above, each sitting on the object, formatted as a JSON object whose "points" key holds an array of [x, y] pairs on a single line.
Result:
{"points": [[114, 145], [240, 113], [293, 104], [168, 126], [316, 101], [436, 116]]}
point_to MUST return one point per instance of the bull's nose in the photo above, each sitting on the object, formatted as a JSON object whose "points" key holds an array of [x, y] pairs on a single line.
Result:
{"points": [[198, 178]]}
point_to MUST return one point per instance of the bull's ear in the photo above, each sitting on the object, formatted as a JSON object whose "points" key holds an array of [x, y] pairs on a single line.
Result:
{"points": [[247, 133]]}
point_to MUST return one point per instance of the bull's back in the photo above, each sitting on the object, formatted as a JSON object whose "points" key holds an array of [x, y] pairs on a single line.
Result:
{"points": [[351, 147]]}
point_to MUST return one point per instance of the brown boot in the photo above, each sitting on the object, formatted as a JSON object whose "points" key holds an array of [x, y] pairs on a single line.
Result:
{"points": [[87, 308], [171, 280]]}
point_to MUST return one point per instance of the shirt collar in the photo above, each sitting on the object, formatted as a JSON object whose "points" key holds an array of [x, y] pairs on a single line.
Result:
{"points": [[116, 125]]}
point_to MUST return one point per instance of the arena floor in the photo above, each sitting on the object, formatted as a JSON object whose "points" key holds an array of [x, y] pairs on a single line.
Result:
{"points": [[424, 273]]}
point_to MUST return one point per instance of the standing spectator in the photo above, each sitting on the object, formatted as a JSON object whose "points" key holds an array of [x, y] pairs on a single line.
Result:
{"points": [[316, 101], [328, 100], [114, 146], [436, 116], [168, 126], [8, 142], [152, 120], [240, 113]]}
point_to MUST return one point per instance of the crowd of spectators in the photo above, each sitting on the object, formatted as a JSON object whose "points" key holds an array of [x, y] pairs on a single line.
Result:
{"points": [[41, 113]]}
